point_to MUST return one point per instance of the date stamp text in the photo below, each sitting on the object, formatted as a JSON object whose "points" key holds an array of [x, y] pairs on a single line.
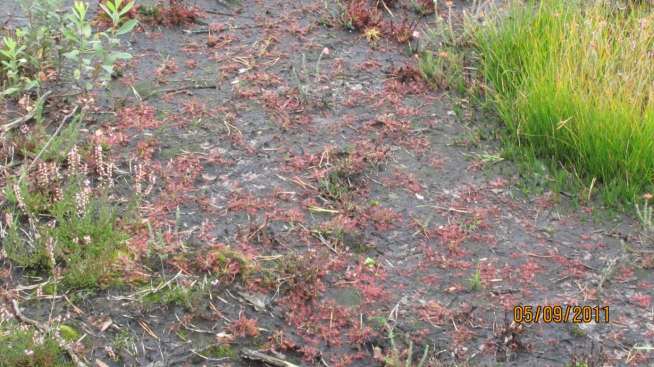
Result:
{"points": [[560, 314]]}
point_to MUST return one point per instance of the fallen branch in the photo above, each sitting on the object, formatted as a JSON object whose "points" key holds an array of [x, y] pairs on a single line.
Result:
{"points": [[197, 85], [21, 120], [47, 144], [250, 26], [253, 355], [322, 239], [144, 292], [386, 7], [209, 358], [455, 210], [42, 328], [216, 12]]}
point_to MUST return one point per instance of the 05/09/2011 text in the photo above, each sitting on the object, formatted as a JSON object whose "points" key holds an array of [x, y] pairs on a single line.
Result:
{"points": [[560, 314]]}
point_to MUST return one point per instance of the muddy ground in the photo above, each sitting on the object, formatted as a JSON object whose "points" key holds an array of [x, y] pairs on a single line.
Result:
{"points": [[298, 143]]}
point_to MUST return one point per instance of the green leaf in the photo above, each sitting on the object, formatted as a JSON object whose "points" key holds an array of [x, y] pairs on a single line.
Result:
{"points": [[77, 74], [80, 10], [126, 8], [111, 7], [31, 84], [97, 46], [9, 42], [127, 27], [72, 54], [86, 30], [70, 35], [108, 68], [107, 11], [117, 55], [82, 7], [9, 91]]}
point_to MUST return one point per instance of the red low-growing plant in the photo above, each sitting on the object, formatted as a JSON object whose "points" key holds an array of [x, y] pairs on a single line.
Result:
{"points": [[434, 313], [279, 341], [244, 327], [361, 335], [224, 262], [424, 7], [402, 32], [383, 218], [176, 13], [362, 15], [140, 117], [387, 3], [451, 235], [179, 13]]}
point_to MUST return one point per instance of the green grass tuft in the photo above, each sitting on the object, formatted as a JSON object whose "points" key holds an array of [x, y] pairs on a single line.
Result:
{"points": [[573, 81], [474, 282], [21, 346], [69, 333], [174, 295], [221, 351], [85, 245]]}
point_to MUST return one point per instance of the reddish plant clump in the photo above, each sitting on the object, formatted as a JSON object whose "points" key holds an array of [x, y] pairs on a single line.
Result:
{"points": [[244, 327], [435, 313], [425, 7], [641, 300], [224, 261], [361, 335], [145, 148], [404, 180], [383, 218], [176, 13], [248, 203], [452, 235], [141, 117], [402, 32], [309, 353], [361, 15]]}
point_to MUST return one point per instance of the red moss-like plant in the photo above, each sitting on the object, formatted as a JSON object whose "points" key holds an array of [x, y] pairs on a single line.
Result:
{"points": [[402, 32], [424, 7], [244, 327], [361, 15], [176, 13]]}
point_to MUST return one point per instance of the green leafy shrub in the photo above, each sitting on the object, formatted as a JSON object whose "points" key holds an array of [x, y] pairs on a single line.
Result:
{"points": [[63, 47], [94, 53]]}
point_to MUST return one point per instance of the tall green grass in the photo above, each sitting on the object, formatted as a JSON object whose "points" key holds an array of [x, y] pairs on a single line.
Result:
{"points": [[574, 81]]}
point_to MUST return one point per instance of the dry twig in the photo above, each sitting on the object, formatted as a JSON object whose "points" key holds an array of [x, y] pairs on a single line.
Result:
{"points": [[21, 120], [254, 355], [44, 329]]}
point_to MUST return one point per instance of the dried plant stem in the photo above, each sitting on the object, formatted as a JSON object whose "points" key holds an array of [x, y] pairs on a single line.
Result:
{"points": [[21, 120], [254, 355], [42, 328], [47, 144]]}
